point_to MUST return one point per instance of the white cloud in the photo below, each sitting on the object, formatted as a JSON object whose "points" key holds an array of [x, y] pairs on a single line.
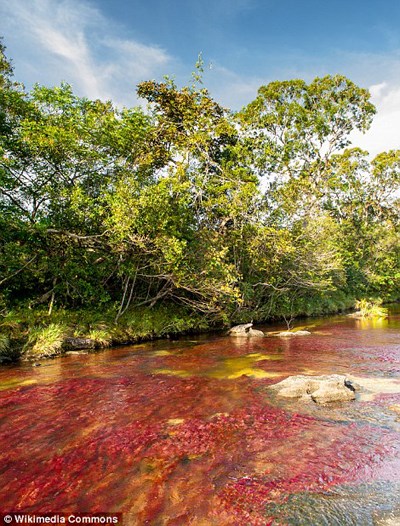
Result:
{"points": [[377, 89], [72, 41], [229, 88], [234, 91], [141, 60]]}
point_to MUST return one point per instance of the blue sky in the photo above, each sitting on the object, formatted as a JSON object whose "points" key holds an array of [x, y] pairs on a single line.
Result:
{"points": [[105, 47]]}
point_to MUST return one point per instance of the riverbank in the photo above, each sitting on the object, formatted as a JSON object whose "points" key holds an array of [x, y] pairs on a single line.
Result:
{"points": [[34, 334]]}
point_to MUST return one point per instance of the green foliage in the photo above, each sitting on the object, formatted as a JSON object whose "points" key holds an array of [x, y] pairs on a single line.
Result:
{"points": [[294, 128], [45, 341], [34, 334], [157, 221], [371, 309], [161, 321], [6, 353], [4, 344]]}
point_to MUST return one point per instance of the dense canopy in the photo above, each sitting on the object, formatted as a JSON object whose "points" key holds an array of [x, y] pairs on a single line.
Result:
{"points": [[266, 212]]}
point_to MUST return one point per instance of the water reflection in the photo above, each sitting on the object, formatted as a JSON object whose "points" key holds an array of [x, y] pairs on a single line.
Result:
{"points": [[372, 323]]}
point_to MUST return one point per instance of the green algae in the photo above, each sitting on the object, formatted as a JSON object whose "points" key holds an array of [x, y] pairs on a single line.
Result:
{"points": [[174, 372], [229, 368], [15, 382], [162, 353]]}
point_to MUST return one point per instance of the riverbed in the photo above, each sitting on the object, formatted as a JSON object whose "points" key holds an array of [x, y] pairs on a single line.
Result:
{"points": [[187, 431]]}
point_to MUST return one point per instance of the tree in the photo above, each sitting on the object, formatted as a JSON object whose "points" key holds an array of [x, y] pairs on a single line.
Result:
{"points": [[294, 128], [62, 156], [106, 206]]}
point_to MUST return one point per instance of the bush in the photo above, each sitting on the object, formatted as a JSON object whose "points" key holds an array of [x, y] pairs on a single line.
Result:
{"points": [[370, 309], [101, 337], [7, 353]]}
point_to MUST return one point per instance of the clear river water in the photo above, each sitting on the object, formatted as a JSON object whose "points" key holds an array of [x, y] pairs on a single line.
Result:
{"points": [[186, 432]]}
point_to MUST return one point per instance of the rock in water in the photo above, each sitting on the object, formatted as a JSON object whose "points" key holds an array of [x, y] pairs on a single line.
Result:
{"points": [[320, 389], [285, 334], [255, 332], [244, 330], [240, 329], [75, 344]]}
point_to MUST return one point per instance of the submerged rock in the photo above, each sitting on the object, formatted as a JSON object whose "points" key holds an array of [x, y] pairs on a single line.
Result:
{"points": [[356, 314], [285, 334], [245, 330], [319, 389], [390, 521], [372, 387]]}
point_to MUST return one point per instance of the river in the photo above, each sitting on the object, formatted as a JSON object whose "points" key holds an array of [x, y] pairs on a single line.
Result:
{"points": [[187, 432]]}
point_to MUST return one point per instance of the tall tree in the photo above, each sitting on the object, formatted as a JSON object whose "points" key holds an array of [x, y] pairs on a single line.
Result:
{"points": [[294, 128]]}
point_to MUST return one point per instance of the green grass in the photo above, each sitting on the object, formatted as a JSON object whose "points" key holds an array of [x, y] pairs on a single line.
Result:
{"points": [[371, 309], [102, 337], [33, 334], [38, 335], [332, 302], [45, 341]]}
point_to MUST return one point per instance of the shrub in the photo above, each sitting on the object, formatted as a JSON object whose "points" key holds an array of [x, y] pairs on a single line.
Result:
{"points": [[45, 341], [371, 309], [101, 337], [7, 353]]}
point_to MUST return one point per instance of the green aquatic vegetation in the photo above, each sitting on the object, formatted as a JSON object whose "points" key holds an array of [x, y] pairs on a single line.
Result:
{"points": [[174, 372], [246, 365], [16, 382], [227, 368], [162, 353]]}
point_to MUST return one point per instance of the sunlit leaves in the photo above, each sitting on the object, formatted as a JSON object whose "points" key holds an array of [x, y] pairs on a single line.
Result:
{"points": [[140, 207]]}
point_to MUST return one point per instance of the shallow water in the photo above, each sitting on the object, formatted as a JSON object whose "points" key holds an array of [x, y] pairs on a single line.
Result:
{"points": [[186, 432]]}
